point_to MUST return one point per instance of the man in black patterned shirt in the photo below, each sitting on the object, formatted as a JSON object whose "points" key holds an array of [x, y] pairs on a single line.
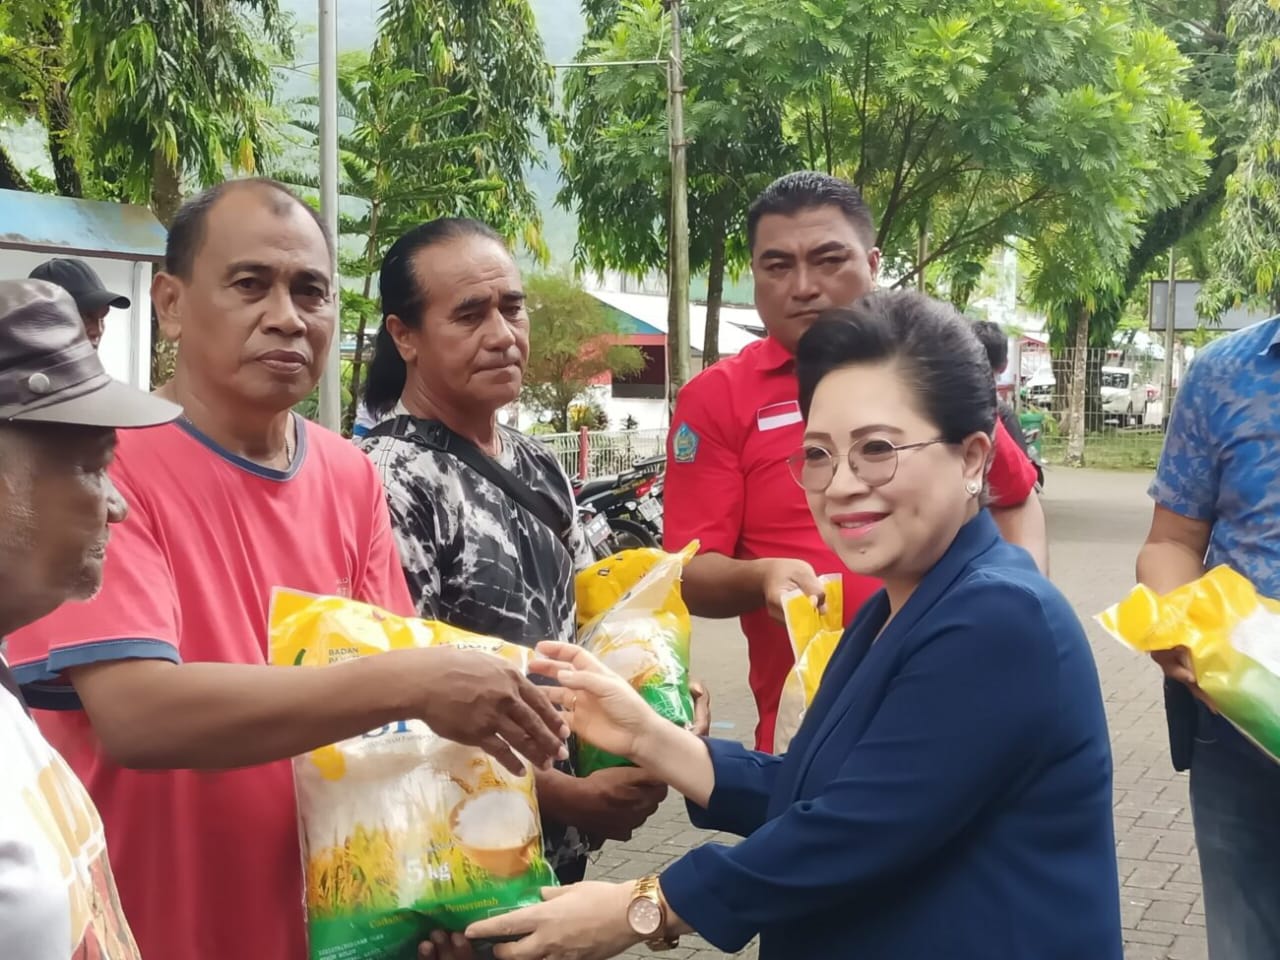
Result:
{"points": [[452, 348]]}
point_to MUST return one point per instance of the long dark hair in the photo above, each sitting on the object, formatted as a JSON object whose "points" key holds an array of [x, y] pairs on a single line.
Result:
{"points": [[404, 294], [940, 355]]}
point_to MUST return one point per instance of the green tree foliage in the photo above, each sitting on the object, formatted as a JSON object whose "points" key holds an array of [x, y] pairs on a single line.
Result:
{"points": [[964, 122], [491, 52], [139, 97], [1152, 158], [572, 342], [33, 84], [395, 172], [1248, 252], [1200, 29], [174, 90], [617, 168], [969, 121]]}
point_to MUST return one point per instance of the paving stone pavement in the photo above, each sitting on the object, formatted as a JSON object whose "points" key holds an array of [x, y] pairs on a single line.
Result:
{"points": [[1097, 522]]}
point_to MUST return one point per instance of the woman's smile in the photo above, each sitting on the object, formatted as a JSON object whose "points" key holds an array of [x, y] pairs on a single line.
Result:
{"points": [[855, 526]]}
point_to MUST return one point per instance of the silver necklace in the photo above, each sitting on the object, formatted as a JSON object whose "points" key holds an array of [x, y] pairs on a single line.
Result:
{"points": [[290, 442]]}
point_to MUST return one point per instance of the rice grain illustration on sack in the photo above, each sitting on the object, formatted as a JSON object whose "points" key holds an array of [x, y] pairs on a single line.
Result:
{"points": [[814, 633], [403, 832], [635, 621]]}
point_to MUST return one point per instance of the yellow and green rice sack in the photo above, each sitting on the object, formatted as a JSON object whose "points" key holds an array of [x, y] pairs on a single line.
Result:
{"points": [[1233, 636], [638, 626], [403, 832]]}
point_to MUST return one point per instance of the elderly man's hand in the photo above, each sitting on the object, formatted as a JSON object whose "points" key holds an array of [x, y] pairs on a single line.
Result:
{"points": [[484, 701], [615, 802]]}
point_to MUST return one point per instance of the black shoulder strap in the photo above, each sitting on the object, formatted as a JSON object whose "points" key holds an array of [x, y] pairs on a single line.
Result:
{"points": [[10, 683], [434, 435]]}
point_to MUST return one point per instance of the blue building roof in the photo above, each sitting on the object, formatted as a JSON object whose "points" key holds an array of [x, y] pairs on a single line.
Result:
{"points": [[629, 325], [65, 226]]}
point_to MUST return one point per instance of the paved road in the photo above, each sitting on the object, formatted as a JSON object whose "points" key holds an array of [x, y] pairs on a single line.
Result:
{"points": [[1097, 521]]}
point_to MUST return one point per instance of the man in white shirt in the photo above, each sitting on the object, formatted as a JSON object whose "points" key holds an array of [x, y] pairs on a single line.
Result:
{"points": [[59, 412]]}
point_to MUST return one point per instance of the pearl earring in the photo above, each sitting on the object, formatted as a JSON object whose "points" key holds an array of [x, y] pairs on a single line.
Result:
{"points": [[973, 488]]}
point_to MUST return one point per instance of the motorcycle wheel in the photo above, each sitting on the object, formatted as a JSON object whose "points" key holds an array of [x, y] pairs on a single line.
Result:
{"points": [[628, 535]]}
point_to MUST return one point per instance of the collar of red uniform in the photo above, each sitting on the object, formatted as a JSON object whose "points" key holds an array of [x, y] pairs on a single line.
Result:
{"points": [[773, 356]]}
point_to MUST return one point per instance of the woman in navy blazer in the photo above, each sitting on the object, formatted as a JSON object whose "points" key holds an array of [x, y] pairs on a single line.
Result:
{"points": [[949, 792]]}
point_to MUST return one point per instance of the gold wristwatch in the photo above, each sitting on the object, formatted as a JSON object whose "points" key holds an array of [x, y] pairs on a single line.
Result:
{"points": [[647, 916]]}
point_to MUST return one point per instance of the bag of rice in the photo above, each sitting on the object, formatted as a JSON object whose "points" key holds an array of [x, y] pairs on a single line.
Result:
{"points": [[639, 629], [403, 832], [814, 634], [1233, 636]]}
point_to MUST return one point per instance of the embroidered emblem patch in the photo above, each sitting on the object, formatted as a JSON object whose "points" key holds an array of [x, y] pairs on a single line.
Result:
{"points": [[684, 445]]}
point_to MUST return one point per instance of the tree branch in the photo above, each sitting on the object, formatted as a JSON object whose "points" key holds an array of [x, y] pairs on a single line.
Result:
{"points": [[1207, 31], [973, 197], [11, 178], [826, 128], [808, 134], [958, 240], [924, 145], [926, 187], [893, 204]]}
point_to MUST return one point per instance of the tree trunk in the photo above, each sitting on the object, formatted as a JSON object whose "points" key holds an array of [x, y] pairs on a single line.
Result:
{"points": [[58, 123], [166, 188], [11, 178], [166, 197], [922, 254], [1079, 391], [715, 295], [1094, 418]]}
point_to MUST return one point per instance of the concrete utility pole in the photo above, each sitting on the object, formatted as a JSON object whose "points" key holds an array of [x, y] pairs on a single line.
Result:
{"points": [[330, 413], [1170, 313], [678, 255], [678, 225]]}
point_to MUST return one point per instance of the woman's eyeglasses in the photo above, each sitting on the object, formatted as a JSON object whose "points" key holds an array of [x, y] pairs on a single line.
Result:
{"points": [[874, 461]]}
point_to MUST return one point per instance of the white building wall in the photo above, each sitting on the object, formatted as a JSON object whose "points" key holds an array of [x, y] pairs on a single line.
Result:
{"points": [[126, 340]]}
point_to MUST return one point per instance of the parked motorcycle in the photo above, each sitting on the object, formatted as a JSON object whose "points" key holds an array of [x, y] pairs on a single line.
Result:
{"points": [[629, 502], [598, 532]]}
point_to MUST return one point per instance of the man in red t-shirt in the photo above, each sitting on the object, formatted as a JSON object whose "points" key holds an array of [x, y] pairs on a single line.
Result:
{"points": [[157, 691], [812, 243]]}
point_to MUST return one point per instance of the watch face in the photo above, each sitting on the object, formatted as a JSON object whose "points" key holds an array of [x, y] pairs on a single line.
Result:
{"points": [[645, 917]]}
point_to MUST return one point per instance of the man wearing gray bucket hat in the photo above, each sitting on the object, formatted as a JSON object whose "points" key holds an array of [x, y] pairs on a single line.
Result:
{"points": [[59, 412]]}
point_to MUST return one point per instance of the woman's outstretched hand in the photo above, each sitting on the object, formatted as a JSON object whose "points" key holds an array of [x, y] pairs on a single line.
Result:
{"points": [[600, 707], [587, 921]]}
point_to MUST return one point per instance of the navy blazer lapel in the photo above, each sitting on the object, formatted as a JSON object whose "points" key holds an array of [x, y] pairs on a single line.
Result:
{"points": [[974, 538]]}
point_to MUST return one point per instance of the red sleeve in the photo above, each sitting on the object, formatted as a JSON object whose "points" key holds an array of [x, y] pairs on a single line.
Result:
{"points": [[1012, 476], [383, 583], [135, 616], [703, 491]]}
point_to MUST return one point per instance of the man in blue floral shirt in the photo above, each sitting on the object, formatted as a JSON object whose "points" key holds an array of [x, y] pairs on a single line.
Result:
{"points": [[1217, 501]]}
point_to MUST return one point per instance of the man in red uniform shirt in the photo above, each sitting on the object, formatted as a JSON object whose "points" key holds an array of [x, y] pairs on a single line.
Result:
{"points": [[812, 243]]}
